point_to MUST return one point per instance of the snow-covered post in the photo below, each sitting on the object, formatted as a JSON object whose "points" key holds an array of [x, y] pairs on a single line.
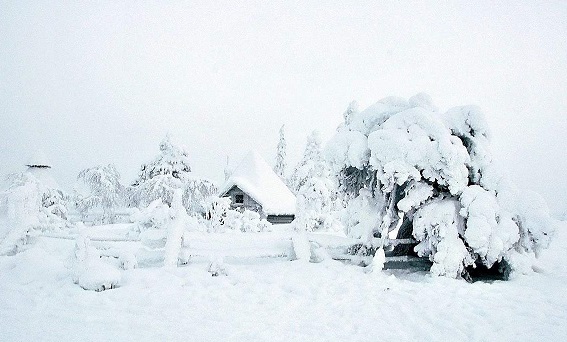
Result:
{"points": [[175, 230]]}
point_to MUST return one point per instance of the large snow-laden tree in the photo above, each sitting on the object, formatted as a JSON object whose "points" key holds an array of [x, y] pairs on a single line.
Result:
{"points": [[169, 171], [434, 177], [99, 188]]}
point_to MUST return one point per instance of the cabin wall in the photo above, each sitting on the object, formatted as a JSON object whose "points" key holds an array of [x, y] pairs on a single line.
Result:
{"points": [[249, 202], [280, 219]]}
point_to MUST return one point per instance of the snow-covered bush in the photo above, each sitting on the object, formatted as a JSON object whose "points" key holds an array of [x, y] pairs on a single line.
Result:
{"points": [[408, 165], [221, 218], [217, 207], [169, 171], [20, 215], [155, 216], [28, 207], [217, 267], [99, 189]]}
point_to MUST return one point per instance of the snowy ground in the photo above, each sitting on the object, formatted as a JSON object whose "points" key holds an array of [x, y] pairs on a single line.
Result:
{"points": [[277, 301]]}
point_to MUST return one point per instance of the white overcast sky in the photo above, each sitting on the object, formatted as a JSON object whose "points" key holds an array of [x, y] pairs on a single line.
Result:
{"points": [[102, 82]]}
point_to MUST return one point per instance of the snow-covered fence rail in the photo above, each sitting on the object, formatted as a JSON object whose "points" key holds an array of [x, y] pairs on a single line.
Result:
{"points": [[149, 250], [241, 246]]}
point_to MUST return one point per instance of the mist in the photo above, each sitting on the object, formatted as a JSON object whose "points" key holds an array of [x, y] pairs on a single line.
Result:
{"points": [[104, 82]]}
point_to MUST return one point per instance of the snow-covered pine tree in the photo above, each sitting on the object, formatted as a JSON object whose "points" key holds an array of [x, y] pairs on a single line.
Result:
{"points": [[99, 188], [433, 178], [315, 191], [170, 170], [280, 166], [310, 165]]}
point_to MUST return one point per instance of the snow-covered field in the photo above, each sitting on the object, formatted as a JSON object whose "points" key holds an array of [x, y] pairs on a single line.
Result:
{"points": [[277, 300]]}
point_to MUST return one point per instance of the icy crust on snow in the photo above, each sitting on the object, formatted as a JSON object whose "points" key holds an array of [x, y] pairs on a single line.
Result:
{"points": [[256, 178]]}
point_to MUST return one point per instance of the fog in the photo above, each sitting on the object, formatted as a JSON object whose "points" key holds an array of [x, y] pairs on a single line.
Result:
{"points": [[104, 82]]}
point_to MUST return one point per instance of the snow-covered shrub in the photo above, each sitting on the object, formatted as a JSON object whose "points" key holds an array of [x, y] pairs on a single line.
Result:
{"points": [[416, 166], [28, 207], [233, 221], [99, 188], [155, 216], [217, 267], [223, 219], [90, 272], [20, 210], [217, 207]]}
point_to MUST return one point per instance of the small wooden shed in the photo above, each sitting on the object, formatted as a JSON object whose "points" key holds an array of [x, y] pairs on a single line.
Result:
{"points": [[255, 186]]}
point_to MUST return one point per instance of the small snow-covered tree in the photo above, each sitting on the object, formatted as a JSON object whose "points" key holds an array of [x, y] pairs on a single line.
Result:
{"points": [[280, 166], [170, 171], [315, 191], [217, 208], [99, 188], [310, 165], [432, 176]]}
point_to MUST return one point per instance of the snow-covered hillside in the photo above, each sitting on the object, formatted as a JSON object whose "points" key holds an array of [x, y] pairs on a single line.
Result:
{"points": [[277, 301]]}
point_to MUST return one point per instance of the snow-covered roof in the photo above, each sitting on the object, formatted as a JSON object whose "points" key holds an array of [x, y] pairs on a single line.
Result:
{"points": [[257, 179], [38, 159]]}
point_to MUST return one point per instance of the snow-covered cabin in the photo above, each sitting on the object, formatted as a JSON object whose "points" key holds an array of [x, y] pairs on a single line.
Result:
{"points": [[254, 186]]}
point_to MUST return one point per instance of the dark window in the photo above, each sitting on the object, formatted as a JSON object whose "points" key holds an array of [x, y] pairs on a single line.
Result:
{"points": [[239, 199]]}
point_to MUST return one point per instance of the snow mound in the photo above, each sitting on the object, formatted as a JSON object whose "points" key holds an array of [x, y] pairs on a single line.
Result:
{"points": [[90, 271], [256, 178]]}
